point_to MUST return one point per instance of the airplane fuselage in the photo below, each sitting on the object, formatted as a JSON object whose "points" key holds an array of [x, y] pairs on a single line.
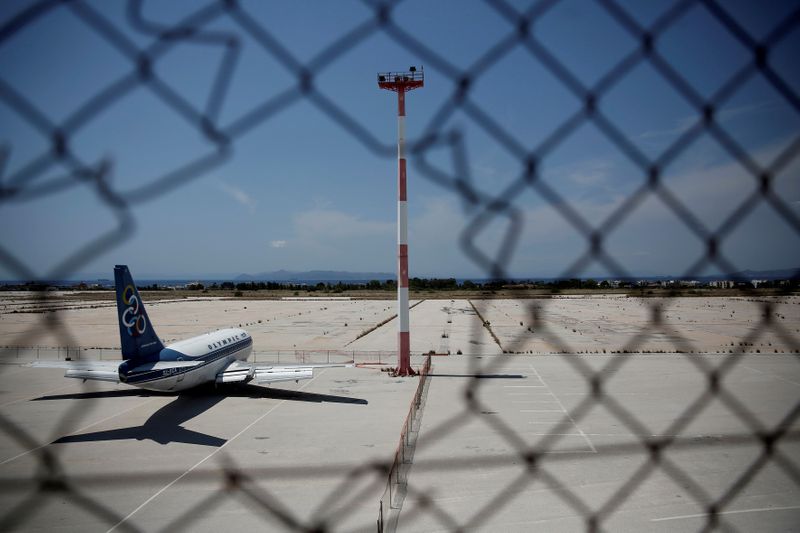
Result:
{"points": [[205, 357]]}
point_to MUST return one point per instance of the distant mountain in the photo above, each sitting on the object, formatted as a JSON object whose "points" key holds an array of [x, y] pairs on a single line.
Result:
{"points": [[315, 275]]}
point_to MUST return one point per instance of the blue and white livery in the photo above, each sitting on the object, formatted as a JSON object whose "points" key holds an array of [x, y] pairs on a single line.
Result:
{"points": [[217, 357]]}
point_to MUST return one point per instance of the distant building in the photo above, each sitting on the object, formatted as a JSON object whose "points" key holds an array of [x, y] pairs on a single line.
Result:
{"points": [[721, 284]]}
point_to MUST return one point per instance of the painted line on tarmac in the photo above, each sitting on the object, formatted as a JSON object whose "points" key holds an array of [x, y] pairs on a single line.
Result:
{"points": [[611, 435], [84, 428], [738, 511], [209, 456], [554, 434], [32, 396], [566, 413], [589, 393], [567, 451]]}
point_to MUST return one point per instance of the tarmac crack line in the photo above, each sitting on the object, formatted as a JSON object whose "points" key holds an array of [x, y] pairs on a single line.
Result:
{"points": [[770, 374], [207, 457], [6, 373]]}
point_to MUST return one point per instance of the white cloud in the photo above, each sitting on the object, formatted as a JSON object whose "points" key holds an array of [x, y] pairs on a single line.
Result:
{"points": [[590, 172], [649, 240], [722, 115], [328, 225], [238, 195], [681, 125], [727, 113], [330, 239], [278, 244]]}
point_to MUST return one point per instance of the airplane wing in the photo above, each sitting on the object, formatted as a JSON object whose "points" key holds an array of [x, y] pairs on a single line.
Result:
{"points": [[105, 370], [241, 372]]}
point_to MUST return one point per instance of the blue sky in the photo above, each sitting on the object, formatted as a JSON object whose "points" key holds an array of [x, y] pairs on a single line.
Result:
{"points": [[299, 191]]}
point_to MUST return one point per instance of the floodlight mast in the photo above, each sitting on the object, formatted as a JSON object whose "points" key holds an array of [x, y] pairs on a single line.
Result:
{"points": [[401, 82]]}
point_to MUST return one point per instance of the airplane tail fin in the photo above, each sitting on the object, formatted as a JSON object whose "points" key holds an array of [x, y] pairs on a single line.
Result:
{"points": [[136, 333]]}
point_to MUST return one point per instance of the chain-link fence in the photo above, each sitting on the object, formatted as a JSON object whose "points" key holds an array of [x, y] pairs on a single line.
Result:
{"points": [[500, 203]]}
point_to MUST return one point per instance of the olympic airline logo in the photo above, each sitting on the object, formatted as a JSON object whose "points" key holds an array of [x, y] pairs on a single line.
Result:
{"points": [[131, 318]]}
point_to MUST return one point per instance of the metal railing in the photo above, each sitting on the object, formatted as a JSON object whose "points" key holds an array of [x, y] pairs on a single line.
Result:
{"points": [[398, 470], [400, 76]]}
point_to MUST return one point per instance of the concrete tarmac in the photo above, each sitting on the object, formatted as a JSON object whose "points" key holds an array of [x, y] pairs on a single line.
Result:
{"points": [[305, 452], [470, 470], [153, 461]]}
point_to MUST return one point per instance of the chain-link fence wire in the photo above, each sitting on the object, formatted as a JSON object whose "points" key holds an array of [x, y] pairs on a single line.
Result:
{"points": [[485, 208]]}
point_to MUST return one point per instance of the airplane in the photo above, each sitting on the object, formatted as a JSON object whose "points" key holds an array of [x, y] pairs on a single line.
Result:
{"points": [[218, 357]]}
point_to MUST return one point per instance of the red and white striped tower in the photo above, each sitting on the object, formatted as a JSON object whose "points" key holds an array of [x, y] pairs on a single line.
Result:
{"points": [[401, 82]]}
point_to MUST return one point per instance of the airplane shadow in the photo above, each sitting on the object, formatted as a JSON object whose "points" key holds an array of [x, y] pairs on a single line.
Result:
{"points": [[165, 425], [256, 391], [126, 393]]}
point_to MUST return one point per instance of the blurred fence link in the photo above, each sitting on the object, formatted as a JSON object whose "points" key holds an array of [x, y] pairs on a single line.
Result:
{"points": [[486, 208]]}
